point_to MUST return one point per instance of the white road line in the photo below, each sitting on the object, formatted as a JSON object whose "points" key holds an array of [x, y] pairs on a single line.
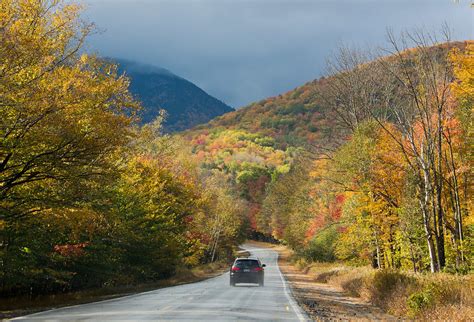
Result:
{"points": [[301, 316]]}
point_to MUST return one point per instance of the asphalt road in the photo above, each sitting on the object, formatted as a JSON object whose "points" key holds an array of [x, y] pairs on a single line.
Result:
{"points": [[209, 300]]}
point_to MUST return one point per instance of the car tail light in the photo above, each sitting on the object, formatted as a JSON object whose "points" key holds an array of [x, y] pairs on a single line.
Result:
{"points": [[235, 269], [258, 269]]}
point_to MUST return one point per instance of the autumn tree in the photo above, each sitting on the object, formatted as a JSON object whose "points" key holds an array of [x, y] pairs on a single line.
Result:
{"points": [[410, 95], [459, 139], [423, 75], [371, 174], [152, 202], [354, 88], [62, 113], [63, 116], [223, 216]]}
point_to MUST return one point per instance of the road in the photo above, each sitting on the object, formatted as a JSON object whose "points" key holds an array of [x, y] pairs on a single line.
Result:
{"points": [[209, 300]]}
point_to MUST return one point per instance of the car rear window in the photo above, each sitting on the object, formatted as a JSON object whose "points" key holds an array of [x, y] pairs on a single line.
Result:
{"points": [[246, 263]]}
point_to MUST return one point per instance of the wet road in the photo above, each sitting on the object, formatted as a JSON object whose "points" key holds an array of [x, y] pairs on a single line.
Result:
{"points": [[209, 300]]}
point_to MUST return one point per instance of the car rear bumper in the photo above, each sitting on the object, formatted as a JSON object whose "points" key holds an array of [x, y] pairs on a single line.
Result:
{"points": [[246, 277]]}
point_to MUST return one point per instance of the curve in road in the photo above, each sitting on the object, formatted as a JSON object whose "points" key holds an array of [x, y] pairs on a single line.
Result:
{"points": [[209, 300]]}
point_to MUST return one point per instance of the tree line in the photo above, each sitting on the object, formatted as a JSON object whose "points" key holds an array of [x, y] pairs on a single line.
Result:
{"points": [[397, 192], [87, 197]]}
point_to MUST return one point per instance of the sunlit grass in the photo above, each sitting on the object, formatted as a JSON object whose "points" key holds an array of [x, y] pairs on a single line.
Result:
{"points": [[440, 296]]}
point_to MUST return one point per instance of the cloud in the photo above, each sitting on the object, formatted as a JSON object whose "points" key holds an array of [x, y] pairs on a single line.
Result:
{"points": [[245, 50]]}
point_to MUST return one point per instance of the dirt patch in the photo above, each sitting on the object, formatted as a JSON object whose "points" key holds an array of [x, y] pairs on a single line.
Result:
{"points": [[323, 301]]}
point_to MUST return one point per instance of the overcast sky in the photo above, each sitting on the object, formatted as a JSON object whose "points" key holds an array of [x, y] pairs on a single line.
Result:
{"points": [[245, 50]]}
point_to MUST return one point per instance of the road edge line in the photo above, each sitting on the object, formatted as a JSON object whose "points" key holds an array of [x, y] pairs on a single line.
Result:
{"points": [[302, 316]]}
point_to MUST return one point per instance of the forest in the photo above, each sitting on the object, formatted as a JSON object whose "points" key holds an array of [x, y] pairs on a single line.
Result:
{"points": [[378, 157], [369, 165], [87, 197]]}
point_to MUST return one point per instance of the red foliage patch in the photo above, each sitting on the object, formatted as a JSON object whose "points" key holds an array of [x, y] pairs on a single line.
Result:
{"points": [[335, 210], [256, 188], [254, 209], [320, 220], [70, 250], [341, 230], [317, 223]]}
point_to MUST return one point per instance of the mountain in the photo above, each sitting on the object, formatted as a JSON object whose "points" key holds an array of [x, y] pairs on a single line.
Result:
{"points": [[186, 104], [257, 144], [305, 116], [270, 139], [296, 118]]}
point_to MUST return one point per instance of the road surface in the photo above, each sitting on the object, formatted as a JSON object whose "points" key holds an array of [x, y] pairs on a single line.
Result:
{"points": [[209, 300]]}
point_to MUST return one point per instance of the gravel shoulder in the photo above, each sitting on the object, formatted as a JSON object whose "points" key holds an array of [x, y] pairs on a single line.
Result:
{"points": [[324, 301]]}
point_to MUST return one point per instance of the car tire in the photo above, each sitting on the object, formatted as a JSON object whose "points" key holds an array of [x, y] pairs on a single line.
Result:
{"points": [[260, 283], [232, 283]]}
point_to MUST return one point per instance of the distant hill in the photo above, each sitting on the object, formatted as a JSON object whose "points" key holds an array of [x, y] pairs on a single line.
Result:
{"points": [[296, 118], [157, 88], [258, 144]]}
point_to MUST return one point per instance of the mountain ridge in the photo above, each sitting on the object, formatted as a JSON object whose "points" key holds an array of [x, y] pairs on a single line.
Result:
{"points": [[186, 104]]}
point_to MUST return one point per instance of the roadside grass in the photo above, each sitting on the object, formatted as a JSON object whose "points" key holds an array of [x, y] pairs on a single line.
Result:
{"points": [[439, 296], [18, 306]]}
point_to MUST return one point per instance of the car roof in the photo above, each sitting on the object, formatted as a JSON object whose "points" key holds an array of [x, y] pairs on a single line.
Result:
{"points": [[247, 258]]}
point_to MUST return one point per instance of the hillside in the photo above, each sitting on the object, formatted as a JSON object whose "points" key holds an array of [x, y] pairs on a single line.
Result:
{"points": [[267, 140], [280, 137], [296, 118], [186, 104], [305, 116], [371, 167]]}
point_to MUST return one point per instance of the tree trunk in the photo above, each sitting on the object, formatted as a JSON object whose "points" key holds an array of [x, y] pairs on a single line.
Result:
{"points": [[457, 205], [214, 250], [439, 194], [378, 252], [426, 221]]}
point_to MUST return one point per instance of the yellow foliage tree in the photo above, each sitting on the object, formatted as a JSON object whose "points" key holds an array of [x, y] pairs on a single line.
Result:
{"points": [[62, 113]]}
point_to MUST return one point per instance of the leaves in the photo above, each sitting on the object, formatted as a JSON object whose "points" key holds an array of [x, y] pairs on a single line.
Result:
{"points": [[86, 197]]}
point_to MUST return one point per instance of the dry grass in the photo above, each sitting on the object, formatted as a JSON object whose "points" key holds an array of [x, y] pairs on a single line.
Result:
{"points": [[428, 297], [439, 296], [448, 313]]}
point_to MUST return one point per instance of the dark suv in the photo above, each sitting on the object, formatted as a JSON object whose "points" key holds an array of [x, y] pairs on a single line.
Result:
{"points": [[247, 270]]}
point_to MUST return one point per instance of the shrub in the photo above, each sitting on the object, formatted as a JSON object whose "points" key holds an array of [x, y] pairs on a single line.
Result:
{"points": [[427, 297], [322, 246], [419, 300], [387, 286]]}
